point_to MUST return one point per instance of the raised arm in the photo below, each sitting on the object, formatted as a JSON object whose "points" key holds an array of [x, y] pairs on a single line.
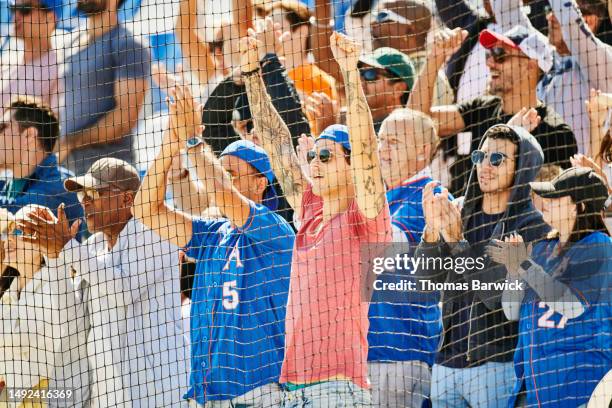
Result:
{"points": [[365, 163], [448, 117], [593, 55], [194, 48], [320, 35], [273, 132], [242, 15], [456, 13]]}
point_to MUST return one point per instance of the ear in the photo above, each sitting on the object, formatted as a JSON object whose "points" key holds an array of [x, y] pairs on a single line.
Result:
{"points": [[128, 199], [262, 183], [592, 21]]}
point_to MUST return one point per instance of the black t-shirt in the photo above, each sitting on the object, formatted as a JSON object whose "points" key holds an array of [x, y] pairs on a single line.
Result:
{"points": [[217, 115], [455, 345], [554, 135]]}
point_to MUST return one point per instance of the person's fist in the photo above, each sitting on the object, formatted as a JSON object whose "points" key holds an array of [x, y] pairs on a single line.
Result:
{"points": [[446, 42], [249, 54], [346, 51]]}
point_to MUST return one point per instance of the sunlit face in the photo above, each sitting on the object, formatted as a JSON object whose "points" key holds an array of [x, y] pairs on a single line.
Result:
{"points": [[559, 213], [507, 71], [401, 152], [12, 141], [333, 175], [382, 90], [19, 253], [32, 21], [246, 179], [495, 179], [106, 208]]}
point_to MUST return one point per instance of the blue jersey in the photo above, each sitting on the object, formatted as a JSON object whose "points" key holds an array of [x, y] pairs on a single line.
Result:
{"points": [[408, 329], [558, 360], [238, 304]]}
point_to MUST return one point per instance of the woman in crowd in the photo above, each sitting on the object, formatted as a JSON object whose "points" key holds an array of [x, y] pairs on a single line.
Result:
{"points": [[39, 342], [565, 327]]}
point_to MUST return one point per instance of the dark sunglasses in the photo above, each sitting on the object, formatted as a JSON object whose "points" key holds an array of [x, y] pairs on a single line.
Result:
{"points": [[193, 142], [496, 159], [25, 9], [500, 55], [371, 74], [324, 155]]}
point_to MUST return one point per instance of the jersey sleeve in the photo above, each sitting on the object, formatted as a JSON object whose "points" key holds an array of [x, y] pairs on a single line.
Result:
{"points": [[268, 228]]}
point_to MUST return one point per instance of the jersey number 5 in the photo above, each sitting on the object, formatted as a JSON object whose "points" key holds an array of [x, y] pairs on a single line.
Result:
{"points": [[545, 321], [229, 291]]}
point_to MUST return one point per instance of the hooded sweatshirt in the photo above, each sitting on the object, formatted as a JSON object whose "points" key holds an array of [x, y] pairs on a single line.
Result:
{"points": [[475, 327]]}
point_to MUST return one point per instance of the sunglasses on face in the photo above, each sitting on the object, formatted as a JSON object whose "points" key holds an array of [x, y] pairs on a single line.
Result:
{"points": [[496, 159], [389, 16], [371, 74], [324, 155], [500, 55]]}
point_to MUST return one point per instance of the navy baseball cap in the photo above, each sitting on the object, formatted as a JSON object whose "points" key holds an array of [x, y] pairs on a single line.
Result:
{"points": [[258, 158], [338, 134]]}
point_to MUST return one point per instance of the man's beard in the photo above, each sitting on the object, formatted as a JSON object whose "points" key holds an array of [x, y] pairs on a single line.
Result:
{"points": [[89, 7]]}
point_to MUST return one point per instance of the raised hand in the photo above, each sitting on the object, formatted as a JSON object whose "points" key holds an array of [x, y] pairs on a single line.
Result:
{"points": [[446, 42], [452, 229], [510, 252], [528, 119], [305, 144], [270, 36], [249, 54], [346, 51], [597, 107], [321, 110], [185, 113], [49, 233]]}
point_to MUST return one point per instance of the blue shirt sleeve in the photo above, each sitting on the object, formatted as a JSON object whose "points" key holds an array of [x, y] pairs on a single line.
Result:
{"points": [[205, 232], [268, 228], [133, 59]]}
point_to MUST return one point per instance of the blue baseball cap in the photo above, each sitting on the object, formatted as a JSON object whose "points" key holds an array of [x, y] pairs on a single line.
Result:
{"points": [[258, 158], [338, 134]]}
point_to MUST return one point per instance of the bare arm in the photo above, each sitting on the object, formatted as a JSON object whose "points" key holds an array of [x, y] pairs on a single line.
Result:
{"points": [[149, 204], [272, 131], [321, 33], [192, 46], [187, 193], [365, 163], [242, 15], [447, 117], [130, 94]]}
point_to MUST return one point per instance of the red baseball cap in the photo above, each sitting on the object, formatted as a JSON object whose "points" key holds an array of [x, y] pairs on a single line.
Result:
{"points": [[489, 39]]}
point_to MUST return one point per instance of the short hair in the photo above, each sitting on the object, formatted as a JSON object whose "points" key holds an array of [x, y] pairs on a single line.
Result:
{"points": [[502, 132], [32, 112], [296, 12], [548, 172], [427, 126]]}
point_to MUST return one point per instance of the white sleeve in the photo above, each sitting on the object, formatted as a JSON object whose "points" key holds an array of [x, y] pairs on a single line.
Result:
{"points": [[509, 13], [594, 56]]}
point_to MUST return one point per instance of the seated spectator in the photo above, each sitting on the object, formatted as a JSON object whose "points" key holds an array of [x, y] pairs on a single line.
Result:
{"points": [[106, 77], [123, 272], [340, 205], [516, 61], [36, 72], [242, 264], [404, 336], [39, 327], [405, 25], [294, 17], [567, 293], [28, 134], [474, 365], [580, 60], [387, 77]]}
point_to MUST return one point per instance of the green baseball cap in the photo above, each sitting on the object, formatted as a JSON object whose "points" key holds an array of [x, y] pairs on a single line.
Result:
{"points": [[394, 61]]}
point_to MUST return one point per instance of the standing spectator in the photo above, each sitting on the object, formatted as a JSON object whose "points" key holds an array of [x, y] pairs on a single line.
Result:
{"points": [[565, 335], [405, 25], [340, 206], [404, 336], [36, 71], [387, 79], [581, 61], [105, 80], [28, 134], [241, 281], [135, 345], [474, 364], [515, 61], [40, 341]]}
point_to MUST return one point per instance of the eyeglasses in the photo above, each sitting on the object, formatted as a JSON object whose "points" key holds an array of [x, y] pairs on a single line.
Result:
{"points": [[25, 9], [372, 74], [91, 194], [500, 55], [496, 159], [389, 16], [324, 155]]}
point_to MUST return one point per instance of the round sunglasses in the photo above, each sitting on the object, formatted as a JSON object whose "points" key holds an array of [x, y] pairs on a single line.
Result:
{"points": [[372, 74], [496, 159], [324, 155]]}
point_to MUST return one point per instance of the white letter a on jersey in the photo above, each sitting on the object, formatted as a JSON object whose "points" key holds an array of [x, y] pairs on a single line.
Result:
{"points": [[235, 254]]}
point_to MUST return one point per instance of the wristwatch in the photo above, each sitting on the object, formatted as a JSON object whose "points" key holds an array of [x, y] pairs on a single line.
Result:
{"points": [[526, 264]]}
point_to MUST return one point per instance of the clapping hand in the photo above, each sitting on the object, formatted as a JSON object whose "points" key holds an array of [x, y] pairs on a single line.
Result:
{"points": [[528, 119], [185, 113], [510, 252], [346, 51]]}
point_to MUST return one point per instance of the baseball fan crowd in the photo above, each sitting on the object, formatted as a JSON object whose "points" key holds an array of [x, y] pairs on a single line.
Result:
{"points": [[230, 268]]}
